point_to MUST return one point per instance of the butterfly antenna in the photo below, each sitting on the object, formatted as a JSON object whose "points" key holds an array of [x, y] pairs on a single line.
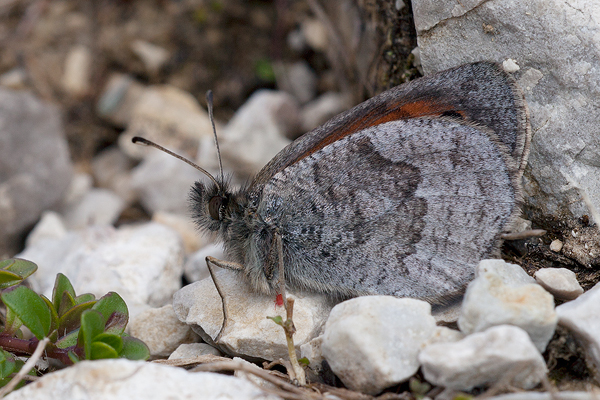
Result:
{"points": [[209, 102], [146, 142]]}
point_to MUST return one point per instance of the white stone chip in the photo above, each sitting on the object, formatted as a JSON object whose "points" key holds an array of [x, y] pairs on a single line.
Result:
{"points": [[560, 282], [193, 350], [510, 65], [500, 354], [556, 246]]}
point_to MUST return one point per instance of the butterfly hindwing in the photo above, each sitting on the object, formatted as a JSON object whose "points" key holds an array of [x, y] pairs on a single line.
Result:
{"points": [[404, 208]]}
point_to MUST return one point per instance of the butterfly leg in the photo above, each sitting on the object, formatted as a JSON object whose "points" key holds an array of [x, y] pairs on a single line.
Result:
{"points": [[210, 262], [230, 265]]}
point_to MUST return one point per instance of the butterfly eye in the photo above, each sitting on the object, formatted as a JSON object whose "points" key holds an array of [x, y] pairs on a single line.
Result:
{"points": [[215, 206]]}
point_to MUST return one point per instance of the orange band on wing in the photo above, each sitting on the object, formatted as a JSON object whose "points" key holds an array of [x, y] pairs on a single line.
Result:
{"points": [[393, 112]]}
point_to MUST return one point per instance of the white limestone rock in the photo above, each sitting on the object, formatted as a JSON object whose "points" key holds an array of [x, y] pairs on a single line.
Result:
{"points": [[248, 332], [503, 293], [372, 342], [124, 379], [501, 353], [581, 316]]}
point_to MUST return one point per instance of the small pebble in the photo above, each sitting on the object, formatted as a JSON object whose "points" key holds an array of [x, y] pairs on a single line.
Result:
{"points": [[77, 72], [315, 34], [153, 56], [560, 282], [258, 130], [118, 99], [15, 78], [96, 207], [556, 246], [192, 350], [297, 79], [318, 111], [510, 65]]}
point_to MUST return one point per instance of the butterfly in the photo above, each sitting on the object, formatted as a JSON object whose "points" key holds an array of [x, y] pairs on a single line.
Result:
{"points": [[401, 195]]}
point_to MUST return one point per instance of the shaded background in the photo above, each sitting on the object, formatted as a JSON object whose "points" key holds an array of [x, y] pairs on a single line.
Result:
{"points": [[229, 46], [70, 54]]}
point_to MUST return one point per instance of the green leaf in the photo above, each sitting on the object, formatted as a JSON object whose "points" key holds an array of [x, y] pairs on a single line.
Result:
{"points": [[134, 349], [66, 303], [62, 284], [278, 320], [263, 69], [113, 308], [68, 341], [304, 361], [14, 270], [102, 350], [84, 298], [463, 396], [12, 324], [8, 364], [71, 320], [114, 341], [8, 279], [30, 309], [18, 365], [73, 357], [92, 324], [417, 387], [53, 314]]}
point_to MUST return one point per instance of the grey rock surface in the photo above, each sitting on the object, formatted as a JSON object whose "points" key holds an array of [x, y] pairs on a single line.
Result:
{"points": [[554, 44], [35, 166]]}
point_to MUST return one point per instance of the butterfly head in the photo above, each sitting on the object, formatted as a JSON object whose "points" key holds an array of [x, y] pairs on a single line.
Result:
{"points": [[212, 205]]}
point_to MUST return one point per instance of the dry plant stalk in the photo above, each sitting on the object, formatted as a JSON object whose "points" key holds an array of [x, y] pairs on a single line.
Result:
{"points": [[26, 367], [297, 373]]}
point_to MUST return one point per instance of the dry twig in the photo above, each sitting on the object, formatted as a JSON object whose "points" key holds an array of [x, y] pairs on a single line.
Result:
{"points": [[28, 366]]}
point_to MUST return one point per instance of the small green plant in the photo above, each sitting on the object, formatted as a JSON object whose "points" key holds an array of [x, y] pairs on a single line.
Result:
{"points": [[78, 327], [418, 389]]}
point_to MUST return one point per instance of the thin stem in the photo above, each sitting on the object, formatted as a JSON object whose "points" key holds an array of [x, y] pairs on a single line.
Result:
{"points": [[288, 324]]}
